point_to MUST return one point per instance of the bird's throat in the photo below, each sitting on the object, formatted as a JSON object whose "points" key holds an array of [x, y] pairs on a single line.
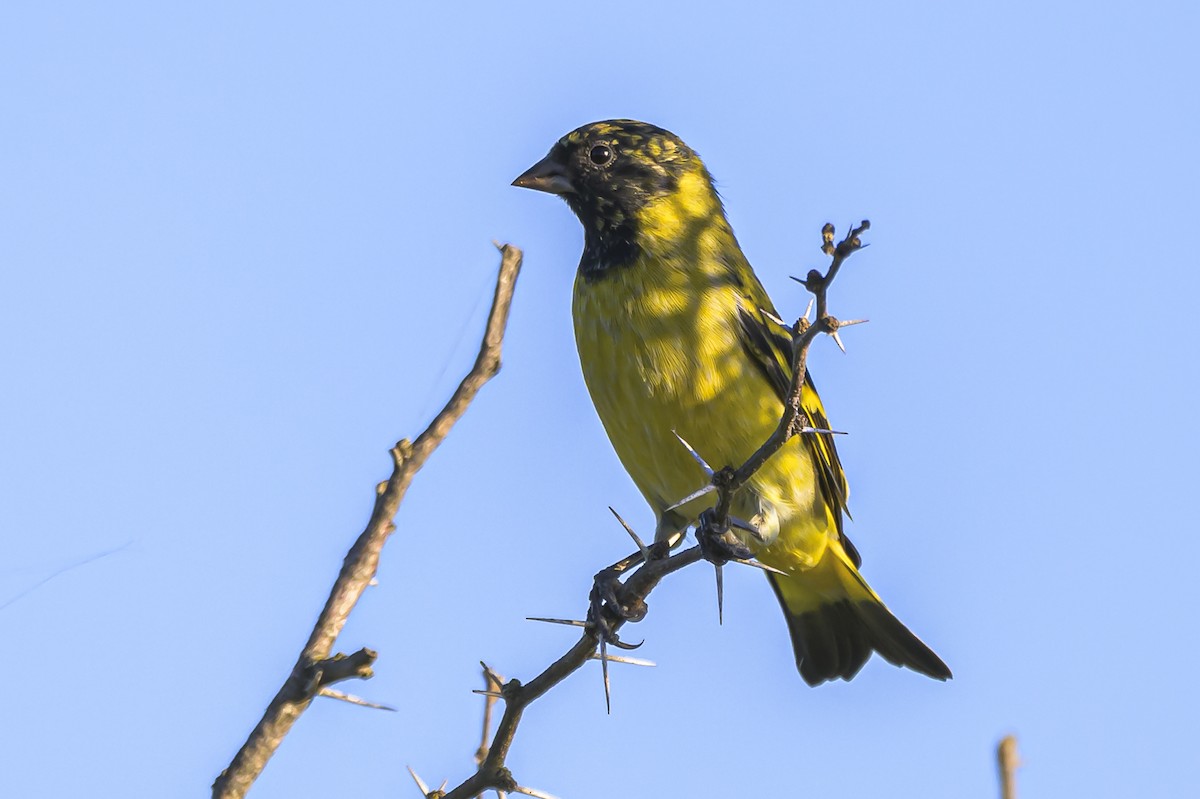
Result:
{"points": [[608, 246]]}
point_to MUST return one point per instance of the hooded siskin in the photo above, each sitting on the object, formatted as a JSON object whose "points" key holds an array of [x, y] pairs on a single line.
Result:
{"points": [[673, 335]]}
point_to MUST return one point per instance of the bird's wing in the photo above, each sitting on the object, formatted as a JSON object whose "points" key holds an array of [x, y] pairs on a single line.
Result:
{"points": [[770, 346]]}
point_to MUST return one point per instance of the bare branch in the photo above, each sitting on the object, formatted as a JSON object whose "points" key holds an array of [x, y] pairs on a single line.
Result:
{"points": [[1008, 761], [358, 569], [494, 683]]}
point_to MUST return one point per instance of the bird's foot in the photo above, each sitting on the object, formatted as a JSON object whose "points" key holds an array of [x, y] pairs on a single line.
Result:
{"points": [[720, 545], [718, 542], [608, 608]]}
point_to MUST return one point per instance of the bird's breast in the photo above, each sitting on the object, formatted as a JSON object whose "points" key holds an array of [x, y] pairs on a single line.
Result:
{"points": [[660, 352]]}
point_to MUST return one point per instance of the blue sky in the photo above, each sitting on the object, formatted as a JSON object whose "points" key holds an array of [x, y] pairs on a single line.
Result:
{"points": [[245, 249]]}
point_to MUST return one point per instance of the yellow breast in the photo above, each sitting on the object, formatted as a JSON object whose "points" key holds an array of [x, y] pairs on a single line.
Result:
{"points": [[661, 351]]}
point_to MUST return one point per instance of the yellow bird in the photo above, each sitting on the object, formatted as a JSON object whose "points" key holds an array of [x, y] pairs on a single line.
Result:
{"points": [[675, 336]]}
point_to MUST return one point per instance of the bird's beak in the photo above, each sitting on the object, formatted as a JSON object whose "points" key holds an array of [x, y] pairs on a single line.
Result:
{"points": [[546, 175]]}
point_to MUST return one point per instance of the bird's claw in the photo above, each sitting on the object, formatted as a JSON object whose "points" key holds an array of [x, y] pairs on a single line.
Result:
{"points": [[718, 543], [607, 608]]}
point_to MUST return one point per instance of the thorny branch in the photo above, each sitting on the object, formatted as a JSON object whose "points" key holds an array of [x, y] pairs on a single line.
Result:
{"points": [[315, 669], [492, 773], [729, 481], [493, 682]]}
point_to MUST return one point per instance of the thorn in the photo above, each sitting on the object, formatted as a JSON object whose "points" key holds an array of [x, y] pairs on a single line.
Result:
{"points": [[442, 787], [604, 671], [708, 489], [501, 794], [621, 659], [333, 693], [838, 340], [420, 782], [568, 622], [758, 565], [636, 539], [696, 455], [824, 431], [808, 310], [493, 694], [851, 322], [496, 243], [534, 792], [772, 317], [491, 674], [720, 596], [374, 581]]}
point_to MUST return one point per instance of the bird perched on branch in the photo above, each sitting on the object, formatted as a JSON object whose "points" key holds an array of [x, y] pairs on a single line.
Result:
{"points": [[676, 337]]}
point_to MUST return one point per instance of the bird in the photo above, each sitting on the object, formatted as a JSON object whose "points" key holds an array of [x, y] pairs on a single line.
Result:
{"points": [[678, 339]]}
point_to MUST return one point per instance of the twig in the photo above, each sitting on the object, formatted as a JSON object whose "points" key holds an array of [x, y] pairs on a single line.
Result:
{"points": [[492, 773], [1008, 761], [728, 481], [494, 683], [311, 671]]}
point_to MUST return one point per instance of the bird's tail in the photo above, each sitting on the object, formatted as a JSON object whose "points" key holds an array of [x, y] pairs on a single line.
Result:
{"points": [[836, 621]]}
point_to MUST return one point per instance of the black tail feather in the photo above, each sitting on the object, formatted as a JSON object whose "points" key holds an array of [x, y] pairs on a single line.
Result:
{"points": [[897, 644], [835, 640]]}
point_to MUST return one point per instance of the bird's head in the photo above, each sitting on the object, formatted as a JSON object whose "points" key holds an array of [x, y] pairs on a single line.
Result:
{"points": [[631, 184]]}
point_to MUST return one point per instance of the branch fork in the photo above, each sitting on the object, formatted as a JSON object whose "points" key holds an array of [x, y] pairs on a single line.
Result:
{"points": [[338, 668]]}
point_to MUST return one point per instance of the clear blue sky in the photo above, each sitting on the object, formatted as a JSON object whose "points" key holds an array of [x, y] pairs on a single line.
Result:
{"points": [[245, 249]]}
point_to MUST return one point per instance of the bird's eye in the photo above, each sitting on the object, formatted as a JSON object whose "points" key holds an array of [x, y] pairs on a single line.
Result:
{"points": [[602, 155]]}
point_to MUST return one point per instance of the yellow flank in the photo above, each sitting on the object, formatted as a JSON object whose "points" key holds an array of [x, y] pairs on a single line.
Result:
{"points": [[832, 577]]}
